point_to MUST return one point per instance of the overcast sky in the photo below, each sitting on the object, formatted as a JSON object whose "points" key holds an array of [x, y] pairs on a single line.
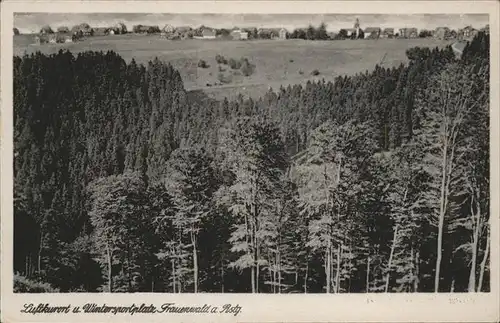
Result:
{"points": [[31, 22]]}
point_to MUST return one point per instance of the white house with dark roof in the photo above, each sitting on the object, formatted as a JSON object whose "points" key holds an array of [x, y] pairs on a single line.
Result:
{"points": [[442, 33], [372, 32], [387, 33], [350, 31], [282, 33], [208, 33], [239, 34], [168, 29], [408, 32]]}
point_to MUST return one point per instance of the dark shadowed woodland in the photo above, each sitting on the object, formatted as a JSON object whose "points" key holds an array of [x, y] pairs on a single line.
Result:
{"points": [[377, 182]]}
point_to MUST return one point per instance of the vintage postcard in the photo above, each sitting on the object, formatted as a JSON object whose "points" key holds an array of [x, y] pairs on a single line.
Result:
{"points": [[254, 161]]}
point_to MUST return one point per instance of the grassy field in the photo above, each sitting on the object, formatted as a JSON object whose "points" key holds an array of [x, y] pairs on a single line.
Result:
{"points": [[277, 62]]}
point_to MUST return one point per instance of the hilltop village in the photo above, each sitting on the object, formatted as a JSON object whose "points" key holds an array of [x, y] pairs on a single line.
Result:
{"points": [[63, 34]]}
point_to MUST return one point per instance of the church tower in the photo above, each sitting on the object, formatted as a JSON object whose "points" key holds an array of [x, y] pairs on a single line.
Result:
{"points": [[356, 26]]}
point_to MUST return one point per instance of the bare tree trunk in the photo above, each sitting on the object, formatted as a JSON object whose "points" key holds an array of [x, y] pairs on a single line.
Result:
{"points": [[257, 269], [272, 274], [306, 276], [391, 255], [195, 262], [195, 268], [350, 267], [413, 269], [129, 276], [337, 274], [368, 275], [174, 281], [328, 253], [472, 274], [40, 253], [110, 267], [276, 274], [417, 271], [483, 262], [328, 266], [179, 252], [32, 264], [174, 268], [222, 275], [253, 279], [441, 215], [250, 242], [279, 272]]}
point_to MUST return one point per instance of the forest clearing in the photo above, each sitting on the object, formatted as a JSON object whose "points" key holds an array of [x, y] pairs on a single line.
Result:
{"points": [[277, 62]]}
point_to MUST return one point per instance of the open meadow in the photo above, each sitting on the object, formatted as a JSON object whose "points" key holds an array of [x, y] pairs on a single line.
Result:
{"points": [[276, 62]]}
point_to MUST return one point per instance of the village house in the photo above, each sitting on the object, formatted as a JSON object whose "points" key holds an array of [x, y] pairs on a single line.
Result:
{"points": [[486, 29], [372, 32], [52, 38], [442, 33], [101, 31], [183, 32], [168, 29], [236, 34], [46, 30], [282, 33], [467, 33], [63, 29], [61, 38], [82, 30], [413, 33], [332, 35], [239, 35], [208, 33], [40, 40], [77, 34], [170, 36], [119, 28], [264, 33], [183, 29], [141, 29], [351, 31], [408, 33], [270, 33], [453, 34], [387, 33]]}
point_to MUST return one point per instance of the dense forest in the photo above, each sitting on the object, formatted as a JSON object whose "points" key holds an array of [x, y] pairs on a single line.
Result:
{"points": [[377, 182]]}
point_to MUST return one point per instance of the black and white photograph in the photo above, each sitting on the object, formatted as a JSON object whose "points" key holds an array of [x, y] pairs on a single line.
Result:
{"points": [[244, 153]]}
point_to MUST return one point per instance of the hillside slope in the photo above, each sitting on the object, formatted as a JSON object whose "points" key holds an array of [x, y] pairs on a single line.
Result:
{"points": [[277, 62]]}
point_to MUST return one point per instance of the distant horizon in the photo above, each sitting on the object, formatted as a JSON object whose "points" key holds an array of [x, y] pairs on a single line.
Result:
{"points": [[28, 23]]}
